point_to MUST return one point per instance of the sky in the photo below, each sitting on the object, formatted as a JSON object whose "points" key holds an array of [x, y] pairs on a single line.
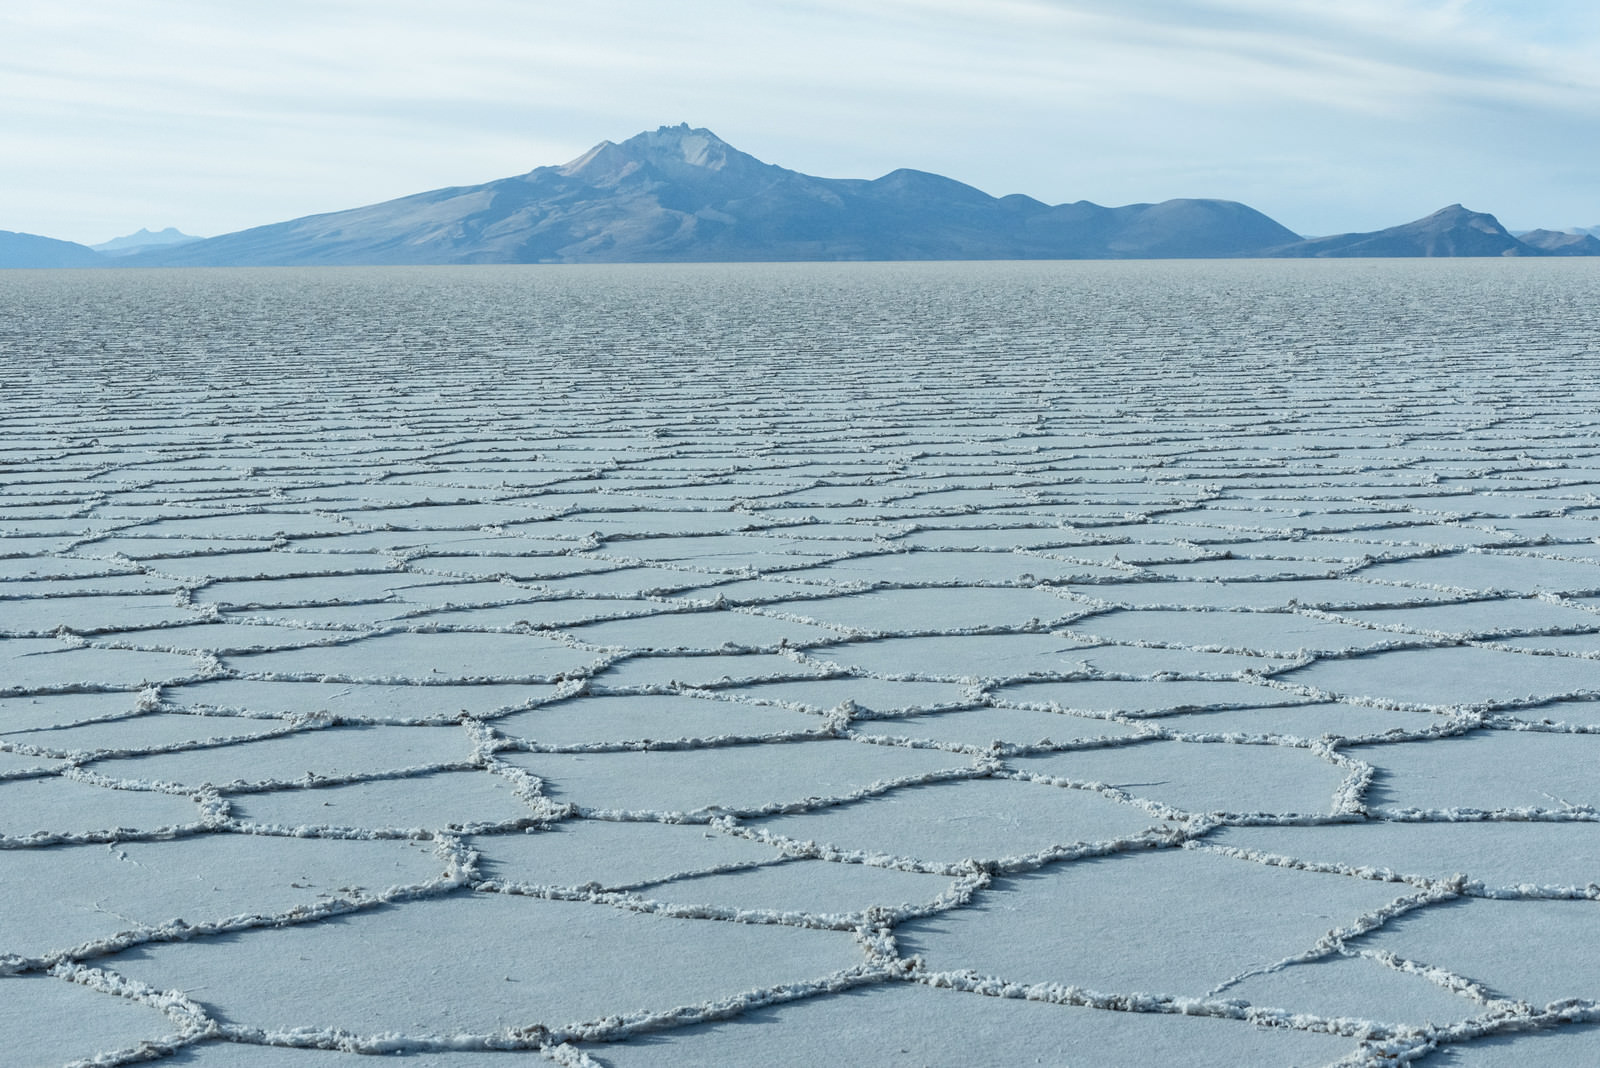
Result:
{"points": [[1328, 115]]}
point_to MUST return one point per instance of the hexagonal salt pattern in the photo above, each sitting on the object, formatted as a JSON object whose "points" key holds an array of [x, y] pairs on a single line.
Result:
{"points": [[851, 664]]}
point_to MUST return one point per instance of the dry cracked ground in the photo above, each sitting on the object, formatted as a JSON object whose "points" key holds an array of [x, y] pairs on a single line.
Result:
{"points": [[1066, 664]]}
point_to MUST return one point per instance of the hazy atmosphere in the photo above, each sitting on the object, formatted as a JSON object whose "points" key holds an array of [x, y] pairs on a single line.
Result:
{"points": [[1327, 116]]}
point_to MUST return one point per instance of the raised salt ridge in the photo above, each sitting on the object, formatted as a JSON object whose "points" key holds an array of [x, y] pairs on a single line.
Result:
{"points": [[926, 664]]}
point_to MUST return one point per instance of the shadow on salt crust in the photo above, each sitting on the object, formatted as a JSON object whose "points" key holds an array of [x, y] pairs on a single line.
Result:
{"points": [[52, 1021], [945, 823], [1202, 776], [1488, 770], [1535, 951], [913, 1025], [1079, 923], [491, 961]]}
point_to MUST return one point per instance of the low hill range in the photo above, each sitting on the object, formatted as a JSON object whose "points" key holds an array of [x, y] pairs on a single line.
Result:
{"points": [[681, 194], [144, 239]]}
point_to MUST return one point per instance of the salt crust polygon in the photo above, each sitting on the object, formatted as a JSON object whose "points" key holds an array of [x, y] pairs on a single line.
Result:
{"points": [[44, 664], [974, 819], [55, 807], [71, 895], [42, 711], [496, 962], [1355, 987], [1561, 1047], [371, 702], [614, 855], [661, 717], [1198, 777], [413, 804], [1066, 924], [1553, 855], [331, 752], [1486, 771], [942, 1027], [1449, 675], [48, 1020], [732, 778], [423, 657], [1534, 951]]}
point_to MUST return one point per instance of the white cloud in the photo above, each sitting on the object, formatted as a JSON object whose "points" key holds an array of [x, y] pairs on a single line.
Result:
{"points": [[1329, 115]]}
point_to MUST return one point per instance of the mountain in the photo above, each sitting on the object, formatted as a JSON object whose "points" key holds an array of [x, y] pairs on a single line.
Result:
{"points": [[31, 250], [121, 246], [1557, 243], [682, 194], [1452, 231]]}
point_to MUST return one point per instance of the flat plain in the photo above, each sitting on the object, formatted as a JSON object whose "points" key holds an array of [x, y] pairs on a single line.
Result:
{"points": [[926, 664]]}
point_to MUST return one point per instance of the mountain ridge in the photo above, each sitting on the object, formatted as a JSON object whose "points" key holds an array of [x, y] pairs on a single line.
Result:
{"points": [[682, 194]]}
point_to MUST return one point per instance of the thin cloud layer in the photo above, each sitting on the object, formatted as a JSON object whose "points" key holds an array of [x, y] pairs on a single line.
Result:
{"points": [[1329, 116]]}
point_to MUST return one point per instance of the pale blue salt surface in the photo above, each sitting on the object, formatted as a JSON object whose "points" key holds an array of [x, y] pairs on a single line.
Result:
{"points": [[1071, 663]]}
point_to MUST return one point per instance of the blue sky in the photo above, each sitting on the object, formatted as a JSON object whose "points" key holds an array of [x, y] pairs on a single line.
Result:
{"points": [[1329, 115]]}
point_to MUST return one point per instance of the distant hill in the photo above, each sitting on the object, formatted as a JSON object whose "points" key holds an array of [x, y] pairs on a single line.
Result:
{"points": [[1559, 243], [121, 246], [1452, 231], [682, 194], [31, 250]]}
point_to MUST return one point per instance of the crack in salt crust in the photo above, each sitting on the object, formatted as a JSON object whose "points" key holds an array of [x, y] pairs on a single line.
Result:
{"points": [[702, 645]]}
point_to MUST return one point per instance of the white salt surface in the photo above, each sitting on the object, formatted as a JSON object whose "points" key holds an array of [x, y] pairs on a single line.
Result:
{"points": [[1103, 664]]}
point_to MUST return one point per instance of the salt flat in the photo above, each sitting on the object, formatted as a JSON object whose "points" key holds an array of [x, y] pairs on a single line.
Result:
{"points": [[1086, 664]]}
